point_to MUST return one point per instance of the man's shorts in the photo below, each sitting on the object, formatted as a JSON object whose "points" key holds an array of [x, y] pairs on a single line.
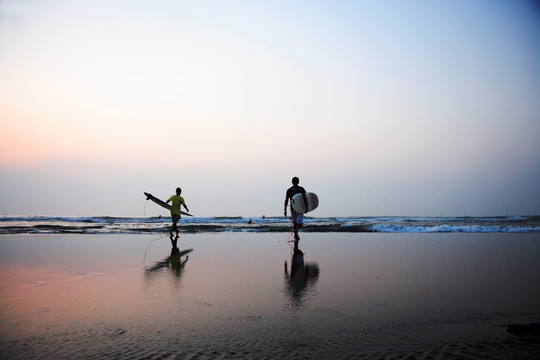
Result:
{"points": [[297, 218], [176, 218]]}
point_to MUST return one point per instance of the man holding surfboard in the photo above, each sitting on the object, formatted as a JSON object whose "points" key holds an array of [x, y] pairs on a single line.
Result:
{"points": [[176, 202], [296, 217]]}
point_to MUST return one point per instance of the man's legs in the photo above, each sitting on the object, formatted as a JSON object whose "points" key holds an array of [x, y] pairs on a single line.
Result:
{"points": [[296, 228], [296, 236], [298, 221], [174, 227]]}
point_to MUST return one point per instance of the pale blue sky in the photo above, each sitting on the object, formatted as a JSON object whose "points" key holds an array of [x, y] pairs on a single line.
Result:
{"points": [[380, 107]]}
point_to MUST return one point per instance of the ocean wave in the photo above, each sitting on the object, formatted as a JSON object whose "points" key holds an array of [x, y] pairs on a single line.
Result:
{"points": [[384, 224], [452, 229]]}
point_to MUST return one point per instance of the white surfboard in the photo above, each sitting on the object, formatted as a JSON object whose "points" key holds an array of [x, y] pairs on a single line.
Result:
{"points": [[162, 203], [299, 206]]}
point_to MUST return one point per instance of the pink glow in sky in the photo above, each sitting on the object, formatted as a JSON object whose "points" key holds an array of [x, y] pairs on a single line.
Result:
{"points": [[382, 108]]}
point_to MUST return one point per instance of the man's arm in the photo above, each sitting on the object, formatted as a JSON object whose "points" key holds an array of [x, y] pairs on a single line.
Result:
{"points": [[285, 205], [305, 201]]}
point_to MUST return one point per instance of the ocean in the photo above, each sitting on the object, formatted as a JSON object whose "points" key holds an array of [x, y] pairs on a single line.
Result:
{"points": [[355, 224], [120, 288]]}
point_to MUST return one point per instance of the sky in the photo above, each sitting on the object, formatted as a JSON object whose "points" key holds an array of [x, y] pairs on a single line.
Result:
{"points": [[382, 108]]}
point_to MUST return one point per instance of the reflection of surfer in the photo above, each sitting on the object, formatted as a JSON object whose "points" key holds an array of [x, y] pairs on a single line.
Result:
{"points": [[297, 218], [301, 278], [173, 262]]}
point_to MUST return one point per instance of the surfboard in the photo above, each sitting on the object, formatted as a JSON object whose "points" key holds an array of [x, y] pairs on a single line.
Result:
{"points": [[162, 203], [299, 206]]}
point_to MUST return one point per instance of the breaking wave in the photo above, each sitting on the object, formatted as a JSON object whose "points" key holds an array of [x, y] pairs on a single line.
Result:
{"points": [[139, 225]]}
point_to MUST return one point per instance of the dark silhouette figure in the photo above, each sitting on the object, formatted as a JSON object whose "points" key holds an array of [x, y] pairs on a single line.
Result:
{"points": [[296, 218], [177, 202]]}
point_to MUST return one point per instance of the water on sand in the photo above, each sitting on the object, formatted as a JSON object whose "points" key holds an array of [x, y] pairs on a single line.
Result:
{"points": [[246, 295]]}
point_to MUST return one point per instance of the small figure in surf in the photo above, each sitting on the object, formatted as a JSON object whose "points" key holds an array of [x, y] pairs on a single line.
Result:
{"points": [[176, 202], [297, 218]]}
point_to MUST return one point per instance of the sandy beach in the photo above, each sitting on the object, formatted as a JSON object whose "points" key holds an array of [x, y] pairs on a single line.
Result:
{"points": [[244, 295]]}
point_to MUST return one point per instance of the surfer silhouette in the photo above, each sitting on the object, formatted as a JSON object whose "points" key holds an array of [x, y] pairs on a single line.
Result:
{"points": [[297, 218], [176, 203]]}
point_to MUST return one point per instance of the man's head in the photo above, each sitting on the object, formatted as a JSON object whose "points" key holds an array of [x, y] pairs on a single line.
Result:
{"points": [[178, 191], [295, 180]]}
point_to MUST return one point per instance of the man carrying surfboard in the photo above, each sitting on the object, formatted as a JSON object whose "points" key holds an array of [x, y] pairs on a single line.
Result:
{"points": [[297, 218], [176, 202]]}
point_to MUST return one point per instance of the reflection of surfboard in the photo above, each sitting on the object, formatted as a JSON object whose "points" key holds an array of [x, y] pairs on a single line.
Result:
{"points": [[176, 252], [162, 203], [299, 206]]}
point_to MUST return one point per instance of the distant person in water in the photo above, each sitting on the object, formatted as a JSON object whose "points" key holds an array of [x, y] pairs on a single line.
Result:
{"points": [[297, 218], [176, 202]]}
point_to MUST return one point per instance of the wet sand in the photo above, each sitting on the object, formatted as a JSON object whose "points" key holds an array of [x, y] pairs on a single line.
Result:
{"points": [[243, 295]]}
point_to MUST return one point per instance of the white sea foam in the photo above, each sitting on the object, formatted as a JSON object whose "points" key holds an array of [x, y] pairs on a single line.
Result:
{"points": [[135, 225]]}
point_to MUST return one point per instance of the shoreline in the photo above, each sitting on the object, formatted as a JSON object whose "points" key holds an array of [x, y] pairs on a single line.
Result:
{"points": [[130, 225]]}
